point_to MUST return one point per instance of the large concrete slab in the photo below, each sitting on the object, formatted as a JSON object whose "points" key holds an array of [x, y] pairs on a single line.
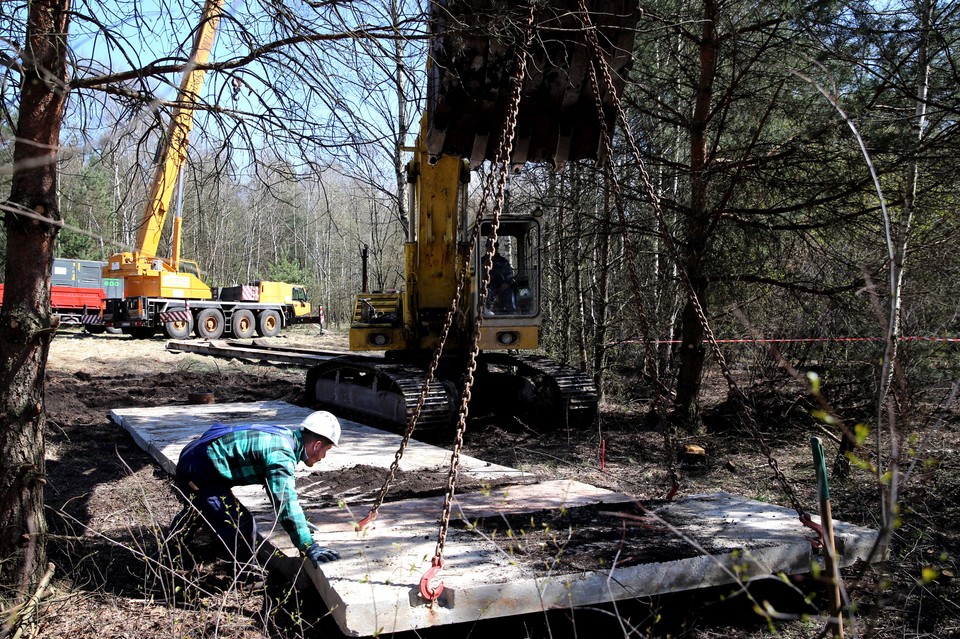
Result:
{"points": [[502, 556], [163, 432]]}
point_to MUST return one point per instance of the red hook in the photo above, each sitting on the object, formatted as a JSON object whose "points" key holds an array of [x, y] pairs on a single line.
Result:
{"points": [[431, 594], [817, 542], [366, 521], [674, 488]]}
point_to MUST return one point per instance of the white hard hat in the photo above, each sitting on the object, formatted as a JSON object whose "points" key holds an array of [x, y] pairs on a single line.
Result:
{"points": [[324, 424]]}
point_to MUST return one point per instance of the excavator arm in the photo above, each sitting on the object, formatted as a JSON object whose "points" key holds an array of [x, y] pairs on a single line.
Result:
{"points": [[474, 53]]}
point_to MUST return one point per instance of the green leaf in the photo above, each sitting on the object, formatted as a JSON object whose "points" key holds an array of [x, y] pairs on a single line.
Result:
{"points": [[928, 574], [814, 380], [824, 417]]}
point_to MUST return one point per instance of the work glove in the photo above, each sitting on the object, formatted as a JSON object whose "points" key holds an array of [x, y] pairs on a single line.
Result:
{"points": [[320, 555]]}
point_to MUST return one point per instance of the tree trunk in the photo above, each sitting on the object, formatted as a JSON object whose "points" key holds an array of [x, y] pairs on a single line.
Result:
{"points": [[578, 292], [692, 351], [602, 301], [25, 320], [560, 269]]}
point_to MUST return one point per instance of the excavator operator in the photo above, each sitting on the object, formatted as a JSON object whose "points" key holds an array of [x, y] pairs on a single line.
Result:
{"points": [[226, 456], [502, 293]]}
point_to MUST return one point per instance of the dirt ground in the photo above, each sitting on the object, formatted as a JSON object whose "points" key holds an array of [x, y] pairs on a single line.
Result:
{"points": [[108, 501]]}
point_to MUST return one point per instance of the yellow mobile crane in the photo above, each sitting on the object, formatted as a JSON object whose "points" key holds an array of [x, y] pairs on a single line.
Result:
{"points": [[168, 293], [473, 51], [145, 273]]}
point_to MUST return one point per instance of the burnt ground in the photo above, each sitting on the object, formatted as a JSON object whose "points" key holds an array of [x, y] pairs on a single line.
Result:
{"points": [[108, 502]]}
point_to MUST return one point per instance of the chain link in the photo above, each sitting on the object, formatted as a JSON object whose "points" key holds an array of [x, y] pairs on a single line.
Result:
{"points": [[434, 363], [742, 399], [498, 172], [659, 389], [490, 183]]}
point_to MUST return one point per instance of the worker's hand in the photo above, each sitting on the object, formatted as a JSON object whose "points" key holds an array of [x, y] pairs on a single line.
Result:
{"points": [[320, 555]]}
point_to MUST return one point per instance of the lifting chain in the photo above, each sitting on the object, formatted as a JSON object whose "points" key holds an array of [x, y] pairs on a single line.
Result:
{"points": [[685, 278], [434, 363], [660, 390], [495, 181], [499, 171]]}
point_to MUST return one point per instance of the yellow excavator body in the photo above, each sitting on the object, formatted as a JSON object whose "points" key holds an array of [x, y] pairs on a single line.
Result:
{"points": [[473, 56]]}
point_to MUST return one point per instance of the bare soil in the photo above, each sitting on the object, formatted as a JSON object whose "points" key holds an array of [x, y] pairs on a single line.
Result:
{"points": [[108, 502]]}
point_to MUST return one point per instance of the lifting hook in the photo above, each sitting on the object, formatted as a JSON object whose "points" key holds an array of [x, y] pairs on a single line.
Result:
{"points": [[428, 593], [366, 521], [816, 542]]}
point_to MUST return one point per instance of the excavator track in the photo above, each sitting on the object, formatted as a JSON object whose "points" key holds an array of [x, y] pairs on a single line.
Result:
{"points": [[380, 392], [554, 394], [384, 393]]}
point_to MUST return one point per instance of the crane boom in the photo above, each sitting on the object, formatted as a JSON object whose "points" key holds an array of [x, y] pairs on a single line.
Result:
{"points": [[173, 148], [167, 293], [143, 272]]}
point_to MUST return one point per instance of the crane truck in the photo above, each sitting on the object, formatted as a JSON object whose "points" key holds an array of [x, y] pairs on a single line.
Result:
{"points": [[168, 294], [472, 54]]}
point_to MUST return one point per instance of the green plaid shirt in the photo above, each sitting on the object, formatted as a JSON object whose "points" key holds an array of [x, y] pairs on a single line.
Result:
{"points": [[249, 457]]}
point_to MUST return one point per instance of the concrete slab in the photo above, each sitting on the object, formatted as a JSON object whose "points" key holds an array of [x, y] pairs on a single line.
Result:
{"points": [[510, 549], [163, 432], [725, 540]]}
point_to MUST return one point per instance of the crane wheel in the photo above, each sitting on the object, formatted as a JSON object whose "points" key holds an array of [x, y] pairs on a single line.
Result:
{"points": [[179, 329], [268, 324], [210, 323], [243, 325]]}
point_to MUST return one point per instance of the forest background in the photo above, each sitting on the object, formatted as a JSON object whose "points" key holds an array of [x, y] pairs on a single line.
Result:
{"points": [[753, 124], [796, 170]]}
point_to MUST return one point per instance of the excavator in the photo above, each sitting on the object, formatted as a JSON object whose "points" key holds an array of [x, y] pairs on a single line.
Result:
{"points": [[475, 46]]}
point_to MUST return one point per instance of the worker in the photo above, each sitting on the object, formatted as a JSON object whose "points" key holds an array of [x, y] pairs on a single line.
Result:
{"points": [[502, 292], [226, 456]]}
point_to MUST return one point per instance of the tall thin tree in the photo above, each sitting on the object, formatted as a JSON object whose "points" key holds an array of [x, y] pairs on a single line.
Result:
{"points": [[31, 219]]}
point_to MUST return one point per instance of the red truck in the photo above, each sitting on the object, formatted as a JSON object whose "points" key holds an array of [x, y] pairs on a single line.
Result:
{"points": [[78, 292]]}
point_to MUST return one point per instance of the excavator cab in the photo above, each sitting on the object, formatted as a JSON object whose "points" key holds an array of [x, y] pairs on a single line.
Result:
{"points": [[511, 308], [514, 288]]}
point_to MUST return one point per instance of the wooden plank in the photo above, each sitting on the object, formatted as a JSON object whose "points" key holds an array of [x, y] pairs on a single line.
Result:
{"points": [[251, 350]]}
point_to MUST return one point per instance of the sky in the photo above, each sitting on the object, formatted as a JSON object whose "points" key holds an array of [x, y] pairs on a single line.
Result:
{"points": [[144, 31]]}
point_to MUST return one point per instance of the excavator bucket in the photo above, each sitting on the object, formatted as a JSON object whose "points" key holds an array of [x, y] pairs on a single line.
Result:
{"points": [[474, 55]]}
